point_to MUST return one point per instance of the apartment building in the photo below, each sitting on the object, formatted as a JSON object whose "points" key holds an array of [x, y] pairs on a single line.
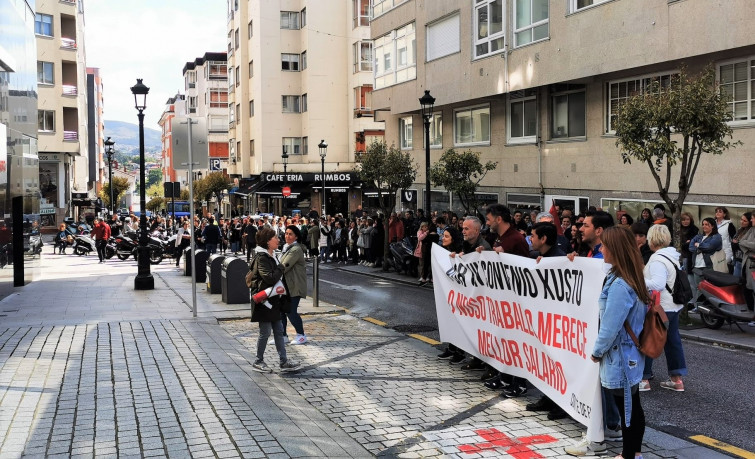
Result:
{"points": [[175, 106], [62, 111], [19, 166], [98, 166], [536, 84], [299, 72]]}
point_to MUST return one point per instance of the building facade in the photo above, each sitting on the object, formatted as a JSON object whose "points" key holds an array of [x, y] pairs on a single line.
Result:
{"points": [[62, 116], [293, 82], [175, 106], [535, 86], [98, 166], [19, 165]]}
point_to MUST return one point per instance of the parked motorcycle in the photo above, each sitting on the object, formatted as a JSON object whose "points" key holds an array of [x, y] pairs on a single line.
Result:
{"points": [[83, 244], [110, 248], [33, 244], [401, 257], [722, 299], [127, 245]]}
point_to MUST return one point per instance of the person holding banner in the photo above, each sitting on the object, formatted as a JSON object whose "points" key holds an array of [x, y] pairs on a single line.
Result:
{"points": [[451, 241], [624, 299]]}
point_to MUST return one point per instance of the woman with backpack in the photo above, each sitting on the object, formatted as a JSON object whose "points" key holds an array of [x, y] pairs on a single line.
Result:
{"points": [[623, 300], [660, 275]]}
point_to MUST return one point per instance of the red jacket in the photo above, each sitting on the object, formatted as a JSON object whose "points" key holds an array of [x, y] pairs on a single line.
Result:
{"points": [[101, 231], [395, 231]]}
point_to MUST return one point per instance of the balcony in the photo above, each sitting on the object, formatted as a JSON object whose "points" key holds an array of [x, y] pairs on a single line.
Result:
{"points": [[70, 2], [363, 112], [70, 90], [70, 135], [67, 43]]}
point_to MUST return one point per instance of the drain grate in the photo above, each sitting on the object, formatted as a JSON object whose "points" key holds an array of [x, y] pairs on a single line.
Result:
{"points": [[414, 328]]}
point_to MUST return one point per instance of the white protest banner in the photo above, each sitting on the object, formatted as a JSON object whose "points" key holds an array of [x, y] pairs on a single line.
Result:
{"points": [[534, 320]]}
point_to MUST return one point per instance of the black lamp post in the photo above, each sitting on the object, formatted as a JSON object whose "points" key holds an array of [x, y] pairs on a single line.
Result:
{"points": [[323, 153], [284, 156], [109, 151], [144, 279], [427, 102]]}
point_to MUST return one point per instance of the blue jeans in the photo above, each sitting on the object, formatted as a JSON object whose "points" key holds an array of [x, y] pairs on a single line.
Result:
{"points": [[675, 362], [210, 247], [235, 246], [611, 415], [277, 329], [294, 316]]}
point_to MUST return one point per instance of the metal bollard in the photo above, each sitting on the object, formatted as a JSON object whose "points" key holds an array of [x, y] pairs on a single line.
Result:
{"points": [[316, 282]]}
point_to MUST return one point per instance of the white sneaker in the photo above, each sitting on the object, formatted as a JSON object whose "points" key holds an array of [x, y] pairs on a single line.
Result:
{"points": [[613, 434], [644, 385], [300, 339], [585, 448], [272, 340]]}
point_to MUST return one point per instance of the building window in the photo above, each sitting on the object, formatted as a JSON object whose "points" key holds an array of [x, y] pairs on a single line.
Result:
{"points": [[43, 24], [303, 103], [361, 13], [218, 124], [250, 29], [488, 27], [436, 131], [291, 104], [289, 20], [46, 120], [292, 145], [236, 39], [304, 60], [251, 108], [216, 70], [576, 5], [443, 37], [568, 111], [191, 79], [238, 110], [231, 114], [230, 77], [45, 72], [381, 6], [362, 56], [737, 83], [396, 57], [472, 126], [251, 147], [218, 98], [530, 21], [238, 76], [251, 69], [192, 103], [304, 18], [523, 116], [405, 132], [305, 145], [363, 101], [290, 62], [620, 91]]}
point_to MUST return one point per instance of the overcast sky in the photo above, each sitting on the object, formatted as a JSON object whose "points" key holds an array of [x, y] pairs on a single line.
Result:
{"points": [[152, 40]]}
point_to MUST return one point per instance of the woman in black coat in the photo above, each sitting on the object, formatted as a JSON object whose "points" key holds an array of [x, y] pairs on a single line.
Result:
{"points": [[266, 272]]}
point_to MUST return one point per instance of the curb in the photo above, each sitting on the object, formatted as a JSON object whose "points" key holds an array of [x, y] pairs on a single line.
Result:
{"points": [[717, 342], [379, 276]]}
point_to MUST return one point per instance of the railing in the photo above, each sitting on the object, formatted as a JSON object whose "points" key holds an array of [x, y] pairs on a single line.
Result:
{"points": [[70, 90], [68, 43], [363, 111], [70, 135], [70, 2]]}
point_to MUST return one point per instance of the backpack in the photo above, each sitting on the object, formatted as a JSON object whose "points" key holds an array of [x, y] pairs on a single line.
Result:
{"points": [[250, 278], [654, 330], [682, 291]]}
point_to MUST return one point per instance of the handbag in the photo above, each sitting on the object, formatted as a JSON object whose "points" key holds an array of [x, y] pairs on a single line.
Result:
{"points": [[719, 262]]}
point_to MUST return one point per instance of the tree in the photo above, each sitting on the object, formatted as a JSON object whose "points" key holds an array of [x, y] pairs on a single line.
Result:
{"points": [[184, 194], [388, 170], [670, 127], [120, 185], [154, 177], [461, 174], [155, 204], [155, 190], [214, 184]]}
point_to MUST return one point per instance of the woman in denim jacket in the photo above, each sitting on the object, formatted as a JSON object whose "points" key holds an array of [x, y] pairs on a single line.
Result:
{"points": [[624, 298], [702, 247]]}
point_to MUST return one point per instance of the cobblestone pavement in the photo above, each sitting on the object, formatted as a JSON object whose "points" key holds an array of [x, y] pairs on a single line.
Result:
{"points": [[392, 395]]}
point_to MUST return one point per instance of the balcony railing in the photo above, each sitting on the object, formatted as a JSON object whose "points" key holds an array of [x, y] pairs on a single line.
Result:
{"points": [[70, 135], [363, 111], [68, 43], [70, 2], [70, 90]]}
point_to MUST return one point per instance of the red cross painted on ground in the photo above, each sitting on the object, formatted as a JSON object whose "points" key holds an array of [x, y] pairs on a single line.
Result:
{"points": [[516, 447]]}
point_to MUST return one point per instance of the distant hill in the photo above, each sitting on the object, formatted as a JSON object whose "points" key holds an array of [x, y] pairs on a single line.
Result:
{"points": [[126, 136]]}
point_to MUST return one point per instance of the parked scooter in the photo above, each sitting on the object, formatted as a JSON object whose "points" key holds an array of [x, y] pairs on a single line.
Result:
{"points": [[722, 299], [128, 245], [33, 244], [83, 244], [401, 257], [125, 246]]}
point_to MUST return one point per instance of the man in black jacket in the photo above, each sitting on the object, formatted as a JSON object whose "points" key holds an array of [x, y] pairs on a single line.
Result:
{"points": [[250, 231], [211, 236]]}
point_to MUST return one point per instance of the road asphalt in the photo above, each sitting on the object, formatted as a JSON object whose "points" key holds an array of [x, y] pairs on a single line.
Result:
{"points": [[89, 366]]}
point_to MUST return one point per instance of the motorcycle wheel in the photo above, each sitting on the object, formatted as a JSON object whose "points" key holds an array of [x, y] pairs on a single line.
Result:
{"points": [[711, 321], [155, 257], [109, 253], [79, 251], [122, 256]]}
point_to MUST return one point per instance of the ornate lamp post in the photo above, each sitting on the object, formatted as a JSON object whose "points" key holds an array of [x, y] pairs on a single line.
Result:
{"points": [[427, 102], [109, 151], [144, 279], [323, 153]]}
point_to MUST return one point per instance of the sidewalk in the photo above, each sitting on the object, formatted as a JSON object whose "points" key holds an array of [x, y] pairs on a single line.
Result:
{"points": [[727, 335], [88, 366]]}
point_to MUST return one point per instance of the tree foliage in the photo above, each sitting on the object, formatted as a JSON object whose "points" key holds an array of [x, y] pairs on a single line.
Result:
{"points": [[120, 186], [388, 170], [461, 174], [155, 190], [155, 204], [154, 176], [670, 127]]}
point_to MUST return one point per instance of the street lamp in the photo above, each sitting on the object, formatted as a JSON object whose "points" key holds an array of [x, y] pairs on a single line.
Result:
{"points": [[284, 156], [109, 151], [144, 279], [323, 153], [427, 102]]}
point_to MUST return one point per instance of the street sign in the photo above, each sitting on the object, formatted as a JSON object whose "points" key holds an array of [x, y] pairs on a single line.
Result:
{"points": [[215, 164], [199, 144], [409, 196], [286, 191]]}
